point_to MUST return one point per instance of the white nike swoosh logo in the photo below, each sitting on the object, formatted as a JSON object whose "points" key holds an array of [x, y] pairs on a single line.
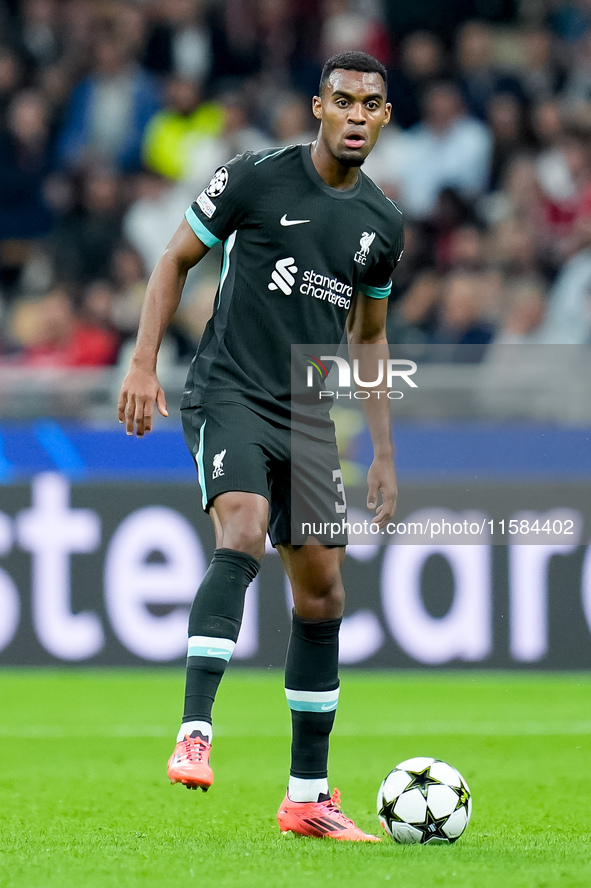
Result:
{"points": [[213, 653], [326, 706], [286, 221]]}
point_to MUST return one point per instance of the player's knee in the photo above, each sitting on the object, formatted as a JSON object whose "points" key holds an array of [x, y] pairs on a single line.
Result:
{"points": [[246, 535], [318, 608], [251, 543], [320, 599], [324, 576], [241, 523]]}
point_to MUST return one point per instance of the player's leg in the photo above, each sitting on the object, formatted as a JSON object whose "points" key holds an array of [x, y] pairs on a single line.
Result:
{"points": [[307, 499], [306, 490], [312, 690], [240, 522], [311, 670]]}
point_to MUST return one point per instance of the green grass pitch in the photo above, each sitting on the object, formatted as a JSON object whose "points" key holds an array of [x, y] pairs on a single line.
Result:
{"points": [[84, 799]]}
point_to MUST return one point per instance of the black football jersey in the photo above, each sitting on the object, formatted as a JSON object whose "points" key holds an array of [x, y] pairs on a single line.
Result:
{"points": [[296, 251]]}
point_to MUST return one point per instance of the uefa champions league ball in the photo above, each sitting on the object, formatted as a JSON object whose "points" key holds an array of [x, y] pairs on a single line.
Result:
{"points": [[424, 801]]}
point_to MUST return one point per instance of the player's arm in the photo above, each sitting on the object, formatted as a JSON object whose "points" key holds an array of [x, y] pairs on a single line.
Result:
{"points": [[141, 388], [366, 333]]}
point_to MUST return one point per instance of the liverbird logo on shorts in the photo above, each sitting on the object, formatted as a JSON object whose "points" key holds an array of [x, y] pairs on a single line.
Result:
{"points": [[365, 242], [218, 465]]}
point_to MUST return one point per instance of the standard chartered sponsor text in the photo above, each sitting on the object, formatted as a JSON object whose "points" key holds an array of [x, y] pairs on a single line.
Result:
{"points": [[326, 288]]}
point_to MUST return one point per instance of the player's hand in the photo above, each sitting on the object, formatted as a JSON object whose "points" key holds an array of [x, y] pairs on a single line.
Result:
{"points": [[139, 392], [381, 479]]}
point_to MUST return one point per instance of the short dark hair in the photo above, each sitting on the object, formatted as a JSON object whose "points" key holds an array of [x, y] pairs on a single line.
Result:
{"points": [[352, 61]]}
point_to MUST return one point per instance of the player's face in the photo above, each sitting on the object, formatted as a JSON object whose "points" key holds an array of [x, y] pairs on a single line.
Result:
{"points": [[351, 110]]}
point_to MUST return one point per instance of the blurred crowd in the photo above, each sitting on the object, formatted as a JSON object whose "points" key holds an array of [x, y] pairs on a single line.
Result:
{"points": [[114, 115]]}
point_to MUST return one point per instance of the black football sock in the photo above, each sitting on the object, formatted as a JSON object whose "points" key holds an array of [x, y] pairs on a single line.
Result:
{"points": [[312, 691], [214, 624]]}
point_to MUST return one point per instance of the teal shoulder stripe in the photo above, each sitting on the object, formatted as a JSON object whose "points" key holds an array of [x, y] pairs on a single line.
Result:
{"points": [[395, 205], [273, 154], [209, 239], [376, 292]]}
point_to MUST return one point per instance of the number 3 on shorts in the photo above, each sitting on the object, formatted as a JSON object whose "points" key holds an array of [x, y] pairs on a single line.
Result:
{"points": [[337, 476]]}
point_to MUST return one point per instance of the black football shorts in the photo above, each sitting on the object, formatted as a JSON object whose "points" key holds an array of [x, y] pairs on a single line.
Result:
{"points": [[236, 449]]}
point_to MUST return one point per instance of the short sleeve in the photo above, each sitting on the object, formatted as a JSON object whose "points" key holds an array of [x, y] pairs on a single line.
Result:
{"points": [[222, 207], [376, 282]]}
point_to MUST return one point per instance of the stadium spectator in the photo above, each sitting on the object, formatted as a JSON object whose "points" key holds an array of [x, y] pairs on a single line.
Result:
{"points": [[461, 321], [506, 120], [83, 241], [570, 20], [508, 195], [386, 162], [172, 134], [236, 48], [514, 247], [40, 32], [55, 82], [447, 149], [464, 249], [11, 77], [451, 212], [129, 281], [109, 110], [180, 41], [10, 347], [522, 189], [79, 21], [421, 63], [98, 306], [128, 21], [543, 75], [292, 121], [553, 172], [239, 133], [276, 37], [25, 161], [62, 339], [516, 212], [568, 314], [546, 123], [523, 313], [197, 308], [236, 137], [479, 78], [493, 284], [411, 321], [577, 89], [151, 219], [350, 26], [562, 211]]}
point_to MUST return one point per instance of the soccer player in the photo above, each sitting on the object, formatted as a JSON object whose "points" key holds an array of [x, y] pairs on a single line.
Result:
{"points": [[309, 247]]}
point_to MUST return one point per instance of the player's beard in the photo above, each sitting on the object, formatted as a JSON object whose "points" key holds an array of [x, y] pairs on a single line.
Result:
{"points": [[351, 160]]}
